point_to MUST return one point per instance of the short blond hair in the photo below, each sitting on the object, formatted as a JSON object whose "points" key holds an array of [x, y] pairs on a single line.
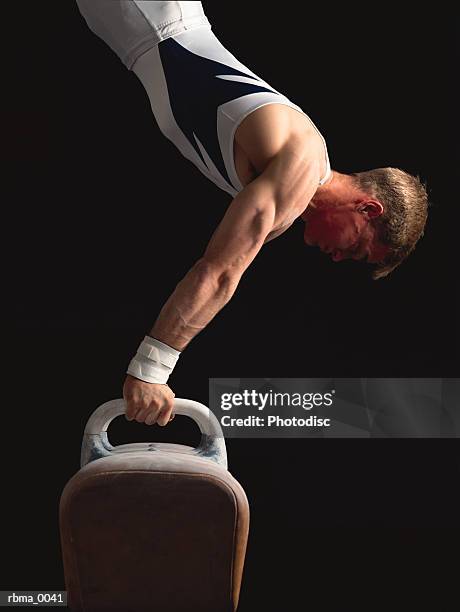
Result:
{"points": [[405, 201]]}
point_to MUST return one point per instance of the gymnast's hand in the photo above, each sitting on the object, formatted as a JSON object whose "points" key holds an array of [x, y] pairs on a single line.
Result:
{"points": [[147, 402]]}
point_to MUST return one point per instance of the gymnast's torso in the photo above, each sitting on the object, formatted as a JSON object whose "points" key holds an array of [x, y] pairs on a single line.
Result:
{"points": [[207, 103]]}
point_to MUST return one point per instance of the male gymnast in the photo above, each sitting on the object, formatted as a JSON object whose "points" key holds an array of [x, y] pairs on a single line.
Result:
{"points": [[261, 148]]}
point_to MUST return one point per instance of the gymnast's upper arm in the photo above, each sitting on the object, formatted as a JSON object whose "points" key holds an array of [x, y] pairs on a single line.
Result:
{"points": [[278, 195], [242, 232]]}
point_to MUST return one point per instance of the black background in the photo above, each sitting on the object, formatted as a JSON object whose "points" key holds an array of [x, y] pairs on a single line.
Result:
{"points": [[107, 217]]}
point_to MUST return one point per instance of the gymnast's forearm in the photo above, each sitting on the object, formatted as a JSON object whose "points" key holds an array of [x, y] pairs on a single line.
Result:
{"points": [[198, 297]]}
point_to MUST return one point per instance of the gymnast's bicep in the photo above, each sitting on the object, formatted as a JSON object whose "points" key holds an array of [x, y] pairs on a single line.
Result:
{"points": [[243, 230]]}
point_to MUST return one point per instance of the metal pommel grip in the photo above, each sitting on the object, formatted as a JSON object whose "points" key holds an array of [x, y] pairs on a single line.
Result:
{"points": [[96, 444]]}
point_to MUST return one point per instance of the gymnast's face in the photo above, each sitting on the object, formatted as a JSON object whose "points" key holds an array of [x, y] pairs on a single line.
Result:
{"points": [[345, 231]]}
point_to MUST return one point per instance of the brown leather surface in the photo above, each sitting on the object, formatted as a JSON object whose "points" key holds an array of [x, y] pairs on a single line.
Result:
{"points": [[153, 531]]}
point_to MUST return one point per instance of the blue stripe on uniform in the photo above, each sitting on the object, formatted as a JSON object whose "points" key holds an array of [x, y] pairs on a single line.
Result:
{"points": [[195, 94]]}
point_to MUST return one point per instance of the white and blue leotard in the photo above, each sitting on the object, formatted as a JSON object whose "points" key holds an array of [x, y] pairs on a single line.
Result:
{"points": [[199, 92]]}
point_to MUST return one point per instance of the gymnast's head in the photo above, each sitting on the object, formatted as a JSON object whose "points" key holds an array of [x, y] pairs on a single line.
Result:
{"points": [[376, 216]]}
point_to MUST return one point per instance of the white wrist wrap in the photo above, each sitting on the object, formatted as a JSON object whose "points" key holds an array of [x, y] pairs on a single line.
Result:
{"points": [[153, 362]]}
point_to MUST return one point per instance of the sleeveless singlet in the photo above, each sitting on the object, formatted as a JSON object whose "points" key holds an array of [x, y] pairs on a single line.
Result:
{"points": [[199, 92]]}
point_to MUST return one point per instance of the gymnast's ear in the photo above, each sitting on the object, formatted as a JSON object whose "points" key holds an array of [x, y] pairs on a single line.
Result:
{"points": [[371, 208]]}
